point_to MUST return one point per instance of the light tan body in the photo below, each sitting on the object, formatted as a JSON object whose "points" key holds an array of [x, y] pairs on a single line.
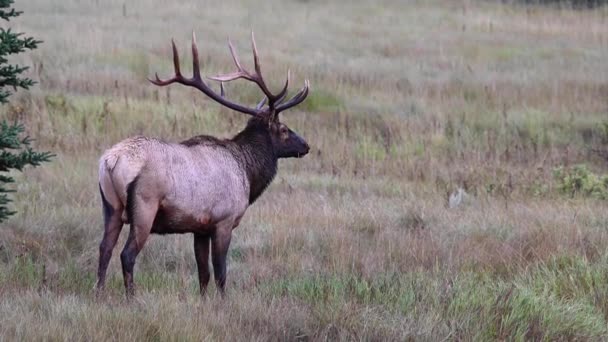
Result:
{"points": [[195, 187]]}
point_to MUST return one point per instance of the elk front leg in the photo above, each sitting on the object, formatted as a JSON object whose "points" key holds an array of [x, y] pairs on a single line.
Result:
{"points": [[220, 244], [201, 252]]}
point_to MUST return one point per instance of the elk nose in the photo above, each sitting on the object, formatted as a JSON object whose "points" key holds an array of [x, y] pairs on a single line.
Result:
{"points": [[306, 147]]}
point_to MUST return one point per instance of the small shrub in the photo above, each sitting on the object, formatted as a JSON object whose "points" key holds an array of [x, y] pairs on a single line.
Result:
{"points": [[579, 180], [604, 132]]}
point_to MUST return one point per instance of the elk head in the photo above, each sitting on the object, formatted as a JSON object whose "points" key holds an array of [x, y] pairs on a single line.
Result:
{"points": [[286, 143]]}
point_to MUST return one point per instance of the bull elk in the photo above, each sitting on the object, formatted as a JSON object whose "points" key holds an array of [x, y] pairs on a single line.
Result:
{"points": [[202, 185]]}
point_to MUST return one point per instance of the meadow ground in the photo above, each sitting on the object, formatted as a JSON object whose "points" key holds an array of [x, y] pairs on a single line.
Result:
{"points": [[410, 101]]}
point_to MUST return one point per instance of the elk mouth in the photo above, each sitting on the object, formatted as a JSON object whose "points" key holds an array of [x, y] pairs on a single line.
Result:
{"points": [[302, 154], [306, 149]]}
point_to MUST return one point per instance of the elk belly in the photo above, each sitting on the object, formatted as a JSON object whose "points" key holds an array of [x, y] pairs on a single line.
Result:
{"points": [[171, 222]]}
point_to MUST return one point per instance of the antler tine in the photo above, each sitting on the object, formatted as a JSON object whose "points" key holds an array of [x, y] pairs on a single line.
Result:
{"points": [[281, 99], [222, 90], [196, 69], [235, 58], [157, 81], [261, 103], [296, 99], [175, 59], [281, 95], [259, 79], [253, 77], [240, 73], [256, 60]]}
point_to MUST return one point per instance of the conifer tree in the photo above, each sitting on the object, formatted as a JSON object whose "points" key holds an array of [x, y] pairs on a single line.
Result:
{"points": [[15, 150]]}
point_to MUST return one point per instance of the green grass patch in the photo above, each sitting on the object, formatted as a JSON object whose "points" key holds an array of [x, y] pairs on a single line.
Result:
{"points": [[553, 301]]}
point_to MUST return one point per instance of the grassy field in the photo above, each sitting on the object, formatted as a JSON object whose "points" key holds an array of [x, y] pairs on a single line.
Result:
{"points": [[411, 101]]}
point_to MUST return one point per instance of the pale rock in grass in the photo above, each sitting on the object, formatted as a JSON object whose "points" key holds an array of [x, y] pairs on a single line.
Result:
{"points": [[458, 198]]}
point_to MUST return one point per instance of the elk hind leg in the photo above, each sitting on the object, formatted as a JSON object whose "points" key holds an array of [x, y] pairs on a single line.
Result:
{"points": [[112, 227], [141, 216]]}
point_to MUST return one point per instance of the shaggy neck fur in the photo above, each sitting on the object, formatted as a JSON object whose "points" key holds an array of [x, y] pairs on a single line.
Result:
{"points": [[256, 155]]}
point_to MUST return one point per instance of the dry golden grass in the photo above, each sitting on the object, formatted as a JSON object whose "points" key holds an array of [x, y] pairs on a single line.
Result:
{"points": [[410, 101]]}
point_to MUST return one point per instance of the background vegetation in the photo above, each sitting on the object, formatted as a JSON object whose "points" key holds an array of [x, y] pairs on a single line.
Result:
{"points": [[576, 4], [411, 101]]}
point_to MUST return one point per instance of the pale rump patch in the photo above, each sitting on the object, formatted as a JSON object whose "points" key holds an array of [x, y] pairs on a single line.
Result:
{"points": [[119, 165]]}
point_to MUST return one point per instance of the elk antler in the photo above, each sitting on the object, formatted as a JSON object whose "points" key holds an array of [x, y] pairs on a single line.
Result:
{"points": [[275, 101], [197, 82]]}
